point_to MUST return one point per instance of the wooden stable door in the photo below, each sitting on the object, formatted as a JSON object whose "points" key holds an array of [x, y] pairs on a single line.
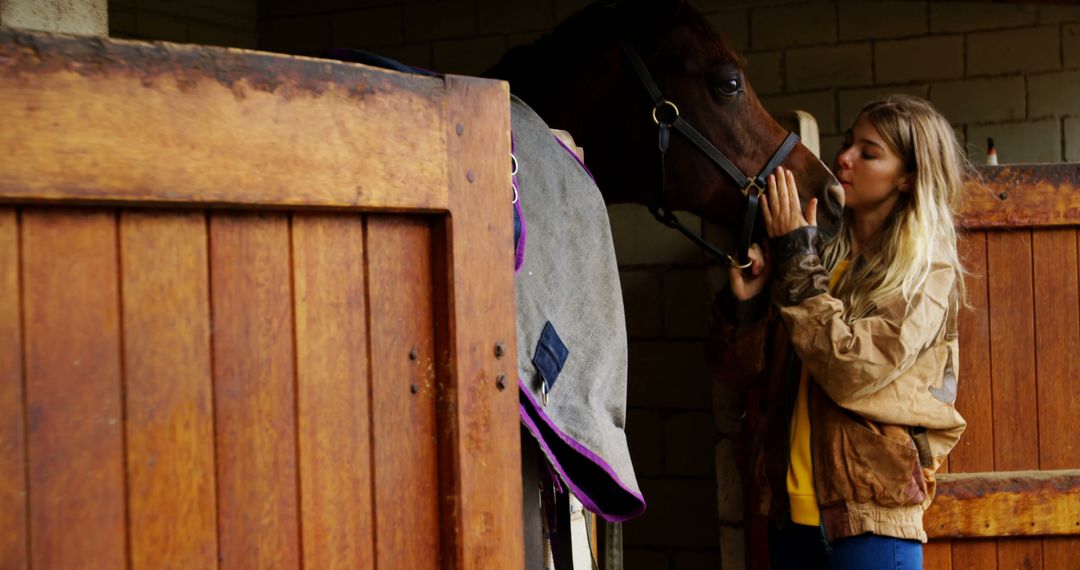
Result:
{"points": [[249, 307], [1011, 494]]}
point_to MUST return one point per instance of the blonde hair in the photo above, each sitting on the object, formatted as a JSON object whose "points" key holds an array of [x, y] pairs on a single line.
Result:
{"points": [[922, 227]]}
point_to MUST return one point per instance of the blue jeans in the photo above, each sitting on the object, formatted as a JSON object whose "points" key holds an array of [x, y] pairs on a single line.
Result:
{"points": [[797, 546]]}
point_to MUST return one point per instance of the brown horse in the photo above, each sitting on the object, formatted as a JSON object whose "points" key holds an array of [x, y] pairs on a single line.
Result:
{"points": [[581, 79]]}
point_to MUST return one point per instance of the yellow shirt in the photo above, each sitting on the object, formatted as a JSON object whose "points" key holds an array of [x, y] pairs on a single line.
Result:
{"points": [[800, 476]]}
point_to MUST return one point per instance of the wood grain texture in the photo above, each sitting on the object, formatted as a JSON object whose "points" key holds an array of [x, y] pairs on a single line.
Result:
{"points": [[937, 555], [975, 451], [1022, 195], [974, 400], [73, 389], [403, 393], [251, 296], [478, 423], [13, 537], [334, 414], [1057, 340], [1004, 503], [237, 127], [167, 369], [1012, 340]]}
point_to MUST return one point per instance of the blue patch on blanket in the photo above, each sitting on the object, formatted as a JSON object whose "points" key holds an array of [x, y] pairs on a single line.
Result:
{"points": [[550, 356]]}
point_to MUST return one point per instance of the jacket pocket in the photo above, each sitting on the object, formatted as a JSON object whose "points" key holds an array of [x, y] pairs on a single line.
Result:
{"points": [[862, 465]]}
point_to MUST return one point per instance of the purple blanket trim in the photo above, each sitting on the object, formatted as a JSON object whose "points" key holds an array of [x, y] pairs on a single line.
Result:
{"points": [[519, 247], [592, 457], [574, 154]]}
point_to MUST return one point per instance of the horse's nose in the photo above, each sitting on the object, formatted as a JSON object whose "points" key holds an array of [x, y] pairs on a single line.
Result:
{"points": [[835, 198]]}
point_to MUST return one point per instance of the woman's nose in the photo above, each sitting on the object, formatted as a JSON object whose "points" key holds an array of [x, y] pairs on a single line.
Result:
{"points": [[843, 158]]}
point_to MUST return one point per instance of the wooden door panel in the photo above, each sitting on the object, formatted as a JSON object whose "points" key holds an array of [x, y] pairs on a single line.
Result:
{"points": [[1012, 338], [169, 390], [974, 453], [267, 389], [254, 380], [403, 393], [1057, 337], [73, 388], [332, 376], [13, 535]]}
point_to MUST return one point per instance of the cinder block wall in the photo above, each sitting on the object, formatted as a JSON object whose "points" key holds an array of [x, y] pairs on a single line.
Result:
{"points": [[1007, 71], [231, 23]]}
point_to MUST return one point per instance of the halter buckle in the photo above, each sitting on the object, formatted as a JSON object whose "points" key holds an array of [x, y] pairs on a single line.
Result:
{"points": [[753, 186], [662, 105]]}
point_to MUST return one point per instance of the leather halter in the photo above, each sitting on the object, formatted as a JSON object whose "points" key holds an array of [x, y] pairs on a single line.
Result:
{"points": [[666, 115]]}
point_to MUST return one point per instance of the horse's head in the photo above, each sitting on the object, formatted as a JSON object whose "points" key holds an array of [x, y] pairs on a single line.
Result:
{"points": [[581, 79]]}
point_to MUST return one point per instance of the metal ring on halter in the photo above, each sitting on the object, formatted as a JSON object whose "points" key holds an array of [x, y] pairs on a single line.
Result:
{"points": [[665, 103], [735, 263], [514, 162], [515, 194]]}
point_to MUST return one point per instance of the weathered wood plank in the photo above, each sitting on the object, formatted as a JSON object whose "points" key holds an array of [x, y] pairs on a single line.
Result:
{"points": [[478, 422], [1022, 195], [169, 390], [1012, 342], [1006, 503], [334, 414], [1057, 335], [73, 389], [251, 299], [403, 392], [13, 537], [975, 452], [93, 119], [937, 555]]}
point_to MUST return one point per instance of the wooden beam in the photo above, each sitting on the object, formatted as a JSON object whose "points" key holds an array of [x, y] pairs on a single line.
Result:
{"points": [[1022, 195], [1007, 503], [90, 120]]}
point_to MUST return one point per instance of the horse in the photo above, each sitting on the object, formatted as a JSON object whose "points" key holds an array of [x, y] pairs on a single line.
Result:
{"points": [[620, 77], [580, 78]]}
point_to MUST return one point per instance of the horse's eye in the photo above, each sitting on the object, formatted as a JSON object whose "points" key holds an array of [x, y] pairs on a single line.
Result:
{"points": [[730, 86]]}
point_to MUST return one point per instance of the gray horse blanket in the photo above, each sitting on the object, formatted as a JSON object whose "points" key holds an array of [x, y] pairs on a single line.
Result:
{"points": [[571, 329]]}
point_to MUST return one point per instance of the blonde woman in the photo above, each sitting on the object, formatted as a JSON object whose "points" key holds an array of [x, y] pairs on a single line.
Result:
{"points": [[858, 388]]}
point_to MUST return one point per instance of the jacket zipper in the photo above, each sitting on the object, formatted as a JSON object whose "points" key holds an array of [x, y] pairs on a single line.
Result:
{"points": [[813, 472]]}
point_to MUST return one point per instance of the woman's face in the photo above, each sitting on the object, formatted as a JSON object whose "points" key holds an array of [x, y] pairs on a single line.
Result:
{"points": [[870, 172]]}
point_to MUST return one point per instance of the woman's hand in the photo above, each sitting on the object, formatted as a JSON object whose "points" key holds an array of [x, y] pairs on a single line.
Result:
{"points": [[780, 205], [746, 283]]}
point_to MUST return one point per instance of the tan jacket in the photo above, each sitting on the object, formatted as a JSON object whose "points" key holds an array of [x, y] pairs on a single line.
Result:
{"points": [[881, 404]]}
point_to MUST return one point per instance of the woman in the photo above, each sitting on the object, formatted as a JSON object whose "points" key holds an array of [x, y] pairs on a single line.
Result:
{"points": [[858, 390]]}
